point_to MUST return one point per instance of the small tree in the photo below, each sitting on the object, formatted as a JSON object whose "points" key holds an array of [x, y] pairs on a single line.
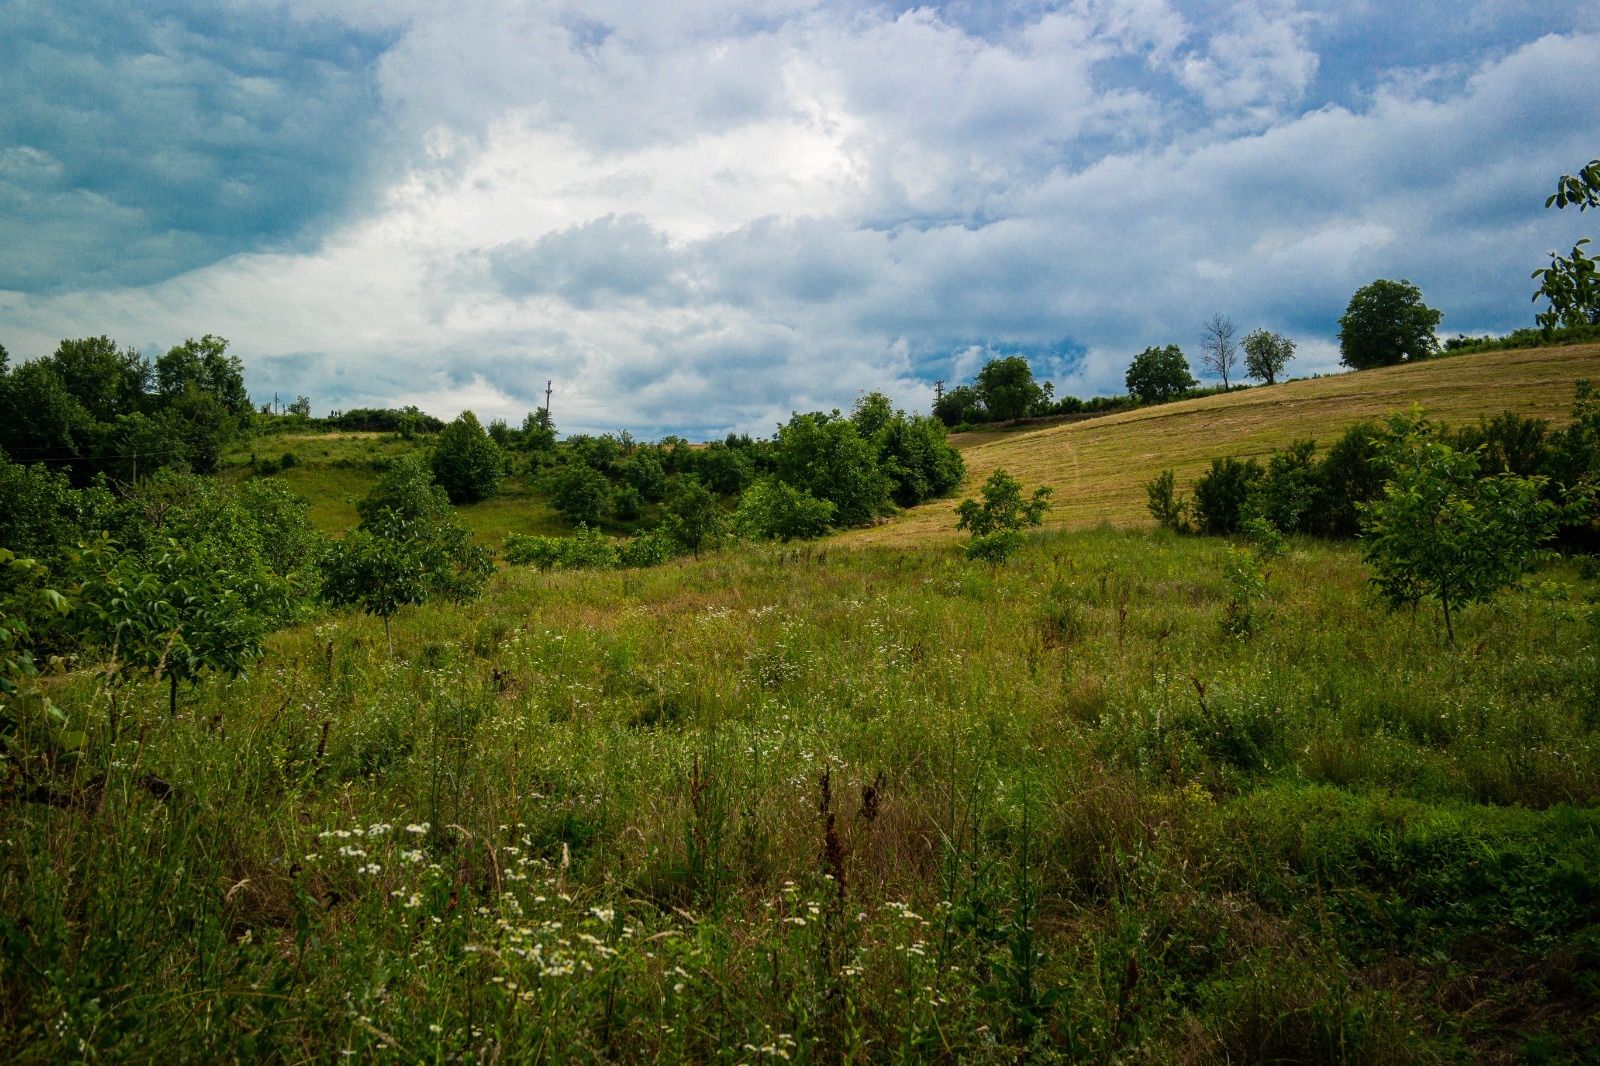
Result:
{"points": [[410, 548], [466, 463], [173, 612], [581, 494], [1168, 509], [692, 516], [1266, 354], [1386, 323], [997, 523], [1441, 531], [1219, 350], [1157, 375], [1572, 283]]}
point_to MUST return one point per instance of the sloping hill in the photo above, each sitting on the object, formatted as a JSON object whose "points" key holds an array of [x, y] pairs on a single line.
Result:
{"points": [[1099, 467]]}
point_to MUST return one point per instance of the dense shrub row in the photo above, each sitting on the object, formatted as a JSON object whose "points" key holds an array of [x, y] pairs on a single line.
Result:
{"points": [[1296, 490]]}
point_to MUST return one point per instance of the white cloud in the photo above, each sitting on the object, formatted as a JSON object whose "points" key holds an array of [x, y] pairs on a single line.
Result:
{"points": [[697, 220]]}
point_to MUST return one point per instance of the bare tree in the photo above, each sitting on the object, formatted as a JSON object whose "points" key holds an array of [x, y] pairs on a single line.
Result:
{"points": [[1220, 351]]}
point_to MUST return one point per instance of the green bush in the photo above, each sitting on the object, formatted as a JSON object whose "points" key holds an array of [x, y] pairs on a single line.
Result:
{"points": [[771, 510], [1222, 494]]}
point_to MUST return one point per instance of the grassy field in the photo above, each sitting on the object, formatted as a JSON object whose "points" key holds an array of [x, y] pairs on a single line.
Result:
{"points": [[1099, 467], [837, 805], [852, 802], [335, 470]]}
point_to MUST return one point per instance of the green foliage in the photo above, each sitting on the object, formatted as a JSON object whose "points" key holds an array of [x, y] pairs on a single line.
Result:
{"points": [[1222, 494], [29, 720], [1157, 375], [410, 548], [1571, 283], [960, 406], [1351, 474], [466, 463], [1007, 389], [769, 509], [203, 366], [1289, 490], [917, 457], [1386, 323], [174, 611], [406, 491], [1441, 531], [1266, 354], [585, 549], [580, 493], [1165, 505], [692, 516], [997, 523], [823, 455]]}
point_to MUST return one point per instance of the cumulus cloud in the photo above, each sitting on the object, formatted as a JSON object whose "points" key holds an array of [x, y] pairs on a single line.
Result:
{"points": [[700, 218]]}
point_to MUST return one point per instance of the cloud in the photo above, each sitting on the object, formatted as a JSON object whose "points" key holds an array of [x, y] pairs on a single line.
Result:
{"points": [[701, 218], [163, 138]]}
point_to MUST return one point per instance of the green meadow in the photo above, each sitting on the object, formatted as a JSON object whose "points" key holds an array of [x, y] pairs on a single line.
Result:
{"points": [[827, 804]]}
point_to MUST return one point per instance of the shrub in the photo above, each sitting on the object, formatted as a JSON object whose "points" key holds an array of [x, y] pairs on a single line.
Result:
{"points": [[996, 524], [1222, 494], [769, 509], [1350, 474], [587, 549], [466, 463], [580, 493], [1288, 491], [1169, 511]]}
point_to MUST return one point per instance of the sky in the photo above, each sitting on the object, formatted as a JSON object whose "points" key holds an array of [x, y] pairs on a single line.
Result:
{"points": [[696, 218]]}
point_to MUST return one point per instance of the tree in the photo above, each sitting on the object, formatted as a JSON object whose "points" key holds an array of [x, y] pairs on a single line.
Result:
{"points": [[1572, 283], [1007, 389], [580, 493], [1157, 375], [960, 405], [1266, 354], [1441, 531], [1219, 351], [824, 456], [107, 380], [1386, 323], [996, 524], [301, 408], [466, 463], [205, 366], [174, 612], [871, 413], [410, 548], [771, 509], [692, 516]]}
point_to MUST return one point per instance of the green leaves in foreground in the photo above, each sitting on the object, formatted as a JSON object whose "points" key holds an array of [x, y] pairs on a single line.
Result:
{"points": [[1441, 532]]}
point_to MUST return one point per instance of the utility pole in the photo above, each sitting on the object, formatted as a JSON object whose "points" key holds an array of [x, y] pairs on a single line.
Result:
{"points": [[547, 398], [938, 390]]}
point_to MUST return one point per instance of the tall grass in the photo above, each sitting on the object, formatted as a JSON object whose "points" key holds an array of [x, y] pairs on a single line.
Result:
{"points": [[830, 805]]}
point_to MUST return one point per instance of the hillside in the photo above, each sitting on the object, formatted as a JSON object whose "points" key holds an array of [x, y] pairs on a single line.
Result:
{"points": [[1099, 467]]}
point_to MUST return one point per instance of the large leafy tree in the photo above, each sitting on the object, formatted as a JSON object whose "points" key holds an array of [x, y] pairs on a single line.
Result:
{"points": [[466, 463], [1386, 323], [1571, 283], [1007, 388], [823, 455], [958, 405], [1157, 375], [204, 366], [1266, 354]]}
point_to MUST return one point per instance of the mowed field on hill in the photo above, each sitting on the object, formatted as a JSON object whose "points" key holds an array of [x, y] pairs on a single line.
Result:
{"points": [[1099, 467]]}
